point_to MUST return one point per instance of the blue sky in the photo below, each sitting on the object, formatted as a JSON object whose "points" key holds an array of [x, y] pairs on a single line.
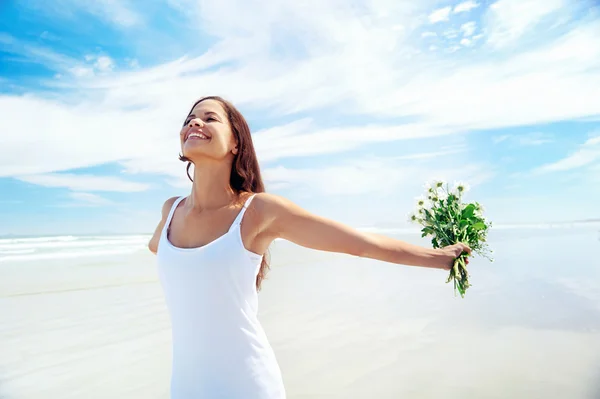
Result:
{"points": [[353, 106]]}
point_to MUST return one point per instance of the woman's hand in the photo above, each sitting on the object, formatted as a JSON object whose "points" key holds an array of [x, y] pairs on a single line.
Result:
{"points": [[450, 253]]}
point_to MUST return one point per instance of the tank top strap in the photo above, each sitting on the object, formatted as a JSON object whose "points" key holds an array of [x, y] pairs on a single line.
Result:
{"points": [[171, 212], [240, 215]]}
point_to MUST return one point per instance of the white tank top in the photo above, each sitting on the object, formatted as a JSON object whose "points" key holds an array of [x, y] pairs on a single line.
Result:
{"points": [[219, 348]]}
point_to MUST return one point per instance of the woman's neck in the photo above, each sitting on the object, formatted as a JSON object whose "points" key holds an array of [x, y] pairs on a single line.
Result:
{"points": [[211, 188]]}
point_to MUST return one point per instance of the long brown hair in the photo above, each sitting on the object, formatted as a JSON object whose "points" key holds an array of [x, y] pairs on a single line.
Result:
{"points": [[245, 172]]}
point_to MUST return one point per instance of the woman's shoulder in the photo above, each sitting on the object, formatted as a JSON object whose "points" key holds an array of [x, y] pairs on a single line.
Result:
{"points": [[267, 204], [264, 201], [166, 208]]}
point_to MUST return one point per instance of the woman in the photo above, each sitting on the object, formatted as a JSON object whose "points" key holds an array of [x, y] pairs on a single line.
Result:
{"points": [[210, 248]]}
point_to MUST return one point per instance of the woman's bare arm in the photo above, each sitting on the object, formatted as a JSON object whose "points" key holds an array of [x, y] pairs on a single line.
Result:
{"points": [[284, 219]]}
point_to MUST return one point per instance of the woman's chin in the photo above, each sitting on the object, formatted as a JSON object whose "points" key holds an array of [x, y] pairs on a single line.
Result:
{"points": [[191, 149], [197, 154]]}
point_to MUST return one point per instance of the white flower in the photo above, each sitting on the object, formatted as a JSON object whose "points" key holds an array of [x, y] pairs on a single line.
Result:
{"points": [[413, 218], [479, 209], [429, 187], [442, 195], [460, 188], [439, 183], [421, 201]]}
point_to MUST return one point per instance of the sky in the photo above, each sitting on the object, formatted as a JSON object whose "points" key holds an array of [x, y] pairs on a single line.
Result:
{"points": [[353, 105]]}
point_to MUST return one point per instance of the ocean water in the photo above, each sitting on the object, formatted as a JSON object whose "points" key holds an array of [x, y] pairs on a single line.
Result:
{"points": [[84, 317], [68, 247]]}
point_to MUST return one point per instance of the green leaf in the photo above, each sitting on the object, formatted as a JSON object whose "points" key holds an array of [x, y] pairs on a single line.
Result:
{"points": [[468, 211], [479, 226]]}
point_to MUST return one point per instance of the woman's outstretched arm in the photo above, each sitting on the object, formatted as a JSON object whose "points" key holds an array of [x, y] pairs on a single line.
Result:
{"points": [[286, 220]]}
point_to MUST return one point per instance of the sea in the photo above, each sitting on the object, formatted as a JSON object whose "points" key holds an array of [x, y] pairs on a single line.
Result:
{"points": [[69, 246]]}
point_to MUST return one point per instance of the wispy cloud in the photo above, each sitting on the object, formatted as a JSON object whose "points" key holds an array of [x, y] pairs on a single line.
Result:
{"points": [[373, 175], [534, 139], [465, 6], [89, 199], [301, 138], [116, 12], [35, 53], [440, 15], [526, 139], [468, 28], [81, 182], [31, 52], [339, 67], [508, 20], [587, 154], [273, 145], [102, 63]]}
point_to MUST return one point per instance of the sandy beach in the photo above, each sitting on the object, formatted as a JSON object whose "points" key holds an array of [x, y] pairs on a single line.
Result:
{"points": [[96, 326]]}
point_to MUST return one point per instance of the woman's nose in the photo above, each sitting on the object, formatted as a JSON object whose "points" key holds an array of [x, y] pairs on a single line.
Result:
{"points": [[195, 122]]}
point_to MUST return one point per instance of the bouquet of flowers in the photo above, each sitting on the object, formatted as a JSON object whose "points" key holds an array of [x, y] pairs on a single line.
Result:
{"points": [[449, 220]]}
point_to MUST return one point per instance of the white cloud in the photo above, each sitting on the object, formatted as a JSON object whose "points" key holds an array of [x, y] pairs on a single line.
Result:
{"points": [[117, 12], [524, 139], [534, 139], [435, 154], [89, 199], [374, 176], [81, 71], [81, 182], [289, 141], [555, 81], [508, 20], [342, 67], [440, 15], [587, 154], [450, 34], [468, 28], [428, 34], [104, 63], [77, 136], [101, 64], [466, 42], [34, 53], [465, 6], [297, 139]]}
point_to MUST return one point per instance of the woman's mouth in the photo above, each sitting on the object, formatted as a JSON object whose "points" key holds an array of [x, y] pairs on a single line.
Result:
{"points": [[197, 136]]}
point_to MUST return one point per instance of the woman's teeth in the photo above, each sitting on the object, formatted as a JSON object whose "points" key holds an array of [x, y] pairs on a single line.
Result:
{"points": [[198, 135]]}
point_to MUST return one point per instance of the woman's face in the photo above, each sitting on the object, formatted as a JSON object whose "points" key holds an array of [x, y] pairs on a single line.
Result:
{"points": [[206, 133]]}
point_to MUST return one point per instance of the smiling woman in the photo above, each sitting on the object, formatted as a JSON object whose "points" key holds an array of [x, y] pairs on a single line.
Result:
{"points": [[211, 248]]}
